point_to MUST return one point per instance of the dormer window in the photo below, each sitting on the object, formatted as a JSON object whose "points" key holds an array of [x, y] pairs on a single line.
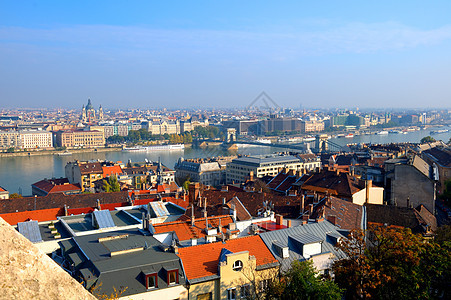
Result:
{"points": [[237, 265], [173, 277], [151, 280]]}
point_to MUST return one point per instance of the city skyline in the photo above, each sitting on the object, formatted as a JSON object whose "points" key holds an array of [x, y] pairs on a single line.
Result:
{"points": [[184, 55]]}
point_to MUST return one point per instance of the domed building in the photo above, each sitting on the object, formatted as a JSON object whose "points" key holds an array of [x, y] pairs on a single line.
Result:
{"points": [[88, 113]]}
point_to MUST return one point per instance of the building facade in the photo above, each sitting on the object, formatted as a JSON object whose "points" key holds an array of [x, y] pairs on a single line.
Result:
{"points": [[35, 139], [243, 168], [80, 138]]}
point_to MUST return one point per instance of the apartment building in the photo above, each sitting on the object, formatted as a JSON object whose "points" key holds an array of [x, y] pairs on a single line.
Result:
{"points": [[35, 139], [243, 168], [80, 138]]}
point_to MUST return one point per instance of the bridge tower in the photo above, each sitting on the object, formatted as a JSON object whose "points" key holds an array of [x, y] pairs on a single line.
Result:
{"points": [[321, 143], [231, 135]]}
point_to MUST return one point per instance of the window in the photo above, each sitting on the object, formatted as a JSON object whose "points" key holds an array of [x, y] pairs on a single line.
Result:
{"points": [[231, 294], [245, 292], [173, 277], [237, 265], [151, 281], [206, 296]]}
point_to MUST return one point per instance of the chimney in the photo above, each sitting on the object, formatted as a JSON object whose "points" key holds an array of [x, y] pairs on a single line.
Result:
{"points": [[337, 172], [251, 176], [288, 223], [302, 203], [193, 191], [311, 210], [332, 219], [223, 201], [408, 201], [234, 212], [192, 215], [368, 186], [205, 207], [279, 220], [98, 204], [65, 210]]}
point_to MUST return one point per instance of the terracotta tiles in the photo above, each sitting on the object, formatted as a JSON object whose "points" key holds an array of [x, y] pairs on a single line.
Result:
{"points": [[111, 170], [185, 231], [203, 260]]}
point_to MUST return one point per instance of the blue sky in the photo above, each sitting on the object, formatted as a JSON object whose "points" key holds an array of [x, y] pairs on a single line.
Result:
{"points": [[148, 54]]}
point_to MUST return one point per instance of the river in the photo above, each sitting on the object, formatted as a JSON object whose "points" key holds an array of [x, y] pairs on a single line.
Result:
{"points": [[18, 173]]}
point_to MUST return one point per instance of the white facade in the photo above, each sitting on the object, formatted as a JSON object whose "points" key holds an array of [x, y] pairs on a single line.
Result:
{"points": [[32, 139]]}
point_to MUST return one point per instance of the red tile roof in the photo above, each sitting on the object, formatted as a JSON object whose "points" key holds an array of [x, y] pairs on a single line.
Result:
{"points": [[37, 215], [185, 231], [2, 189], [203, 260], [56, 185], [111, 170]]}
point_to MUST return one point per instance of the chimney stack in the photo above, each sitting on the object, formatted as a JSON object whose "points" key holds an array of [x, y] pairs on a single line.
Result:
{"points": [[302, 203], [288, 223], [279, 220], [192, 215], [251, 176], [205, 207]]}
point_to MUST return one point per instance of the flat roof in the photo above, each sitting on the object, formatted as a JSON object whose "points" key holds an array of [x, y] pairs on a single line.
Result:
{"points": [[266, 160]]}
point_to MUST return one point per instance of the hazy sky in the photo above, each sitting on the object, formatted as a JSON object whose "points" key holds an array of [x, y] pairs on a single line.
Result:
{"points": [[146, 54]]}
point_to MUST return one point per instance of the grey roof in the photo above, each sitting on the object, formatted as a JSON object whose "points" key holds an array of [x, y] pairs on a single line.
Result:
{"points": [[103, 218], [266, 160], [294, 236], [126, 269], [159, 209], [306, 238], [30, 230]]}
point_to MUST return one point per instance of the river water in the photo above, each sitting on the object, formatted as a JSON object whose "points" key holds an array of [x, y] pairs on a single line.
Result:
{"points": [[18, 173]]}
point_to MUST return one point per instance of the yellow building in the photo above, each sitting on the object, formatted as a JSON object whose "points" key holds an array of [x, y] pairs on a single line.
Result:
{"points": [[235, 269], [80, 138]]}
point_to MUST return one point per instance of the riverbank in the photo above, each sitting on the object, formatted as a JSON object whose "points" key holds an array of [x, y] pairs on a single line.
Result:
{"points": [[57, 152]]}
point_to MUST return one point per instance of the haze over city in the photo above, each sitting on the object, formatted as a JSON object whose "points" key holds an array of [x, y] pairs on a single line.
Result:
{"points": [[150, 55]]}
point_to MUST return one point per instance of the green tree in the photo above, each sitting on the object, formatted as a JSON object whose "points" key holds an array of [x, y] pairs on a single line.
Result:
{"points": [[111, 185], [15, 196], [10, 150], [392, 263], [303, 282], [427, 139]]}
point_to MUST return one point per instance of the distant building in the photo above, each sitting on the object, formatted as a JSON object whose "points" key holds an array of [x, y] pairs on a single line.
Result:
{"points": [[35, 139], [88, 113], [206, 171], [9, 139], [80, 138], [55, 185], [243, 168], [87, 173]]}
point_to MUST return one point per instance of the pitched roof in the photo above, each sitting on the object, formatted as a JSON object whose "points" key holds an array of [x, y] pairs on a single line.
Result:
{"points": [[111, 170], [185, 231], [401, 216], [290, 237], [441, 156], [90, 168], [344, 214], [203, 260], [254, 203], [57, 185], [341, 183], [2, 189]]}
